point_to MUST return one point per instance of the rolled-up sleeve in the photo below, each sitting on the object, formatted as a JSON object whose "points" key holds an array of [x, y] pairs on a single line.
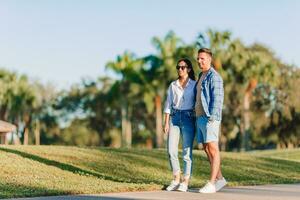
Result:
{"points": [[168, 103]]}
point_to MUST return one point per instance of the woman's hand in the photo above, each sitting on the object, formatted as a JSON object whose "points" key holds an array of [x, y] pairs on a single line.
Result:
{"points": [[166, 128], [167, 123]]}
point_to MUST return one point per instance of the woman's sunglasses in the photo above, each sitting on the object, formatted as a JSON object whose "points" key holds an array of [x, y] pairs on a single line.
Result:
{"points": [[182, 67]]}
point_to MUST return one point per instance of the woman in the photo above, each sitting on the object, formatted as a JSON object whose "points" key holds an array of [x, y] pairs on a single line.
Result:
{"points": [[180, 106]]}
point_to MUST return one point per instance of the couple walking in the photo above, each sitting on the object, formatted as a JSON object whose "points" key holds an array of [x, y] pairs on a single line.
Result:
{"points": [[195, 107]]}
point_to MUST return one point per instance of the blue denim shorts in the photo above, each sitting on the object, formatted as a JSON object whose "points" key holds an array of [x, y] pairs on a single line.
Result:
{"points": [[207, 131]]}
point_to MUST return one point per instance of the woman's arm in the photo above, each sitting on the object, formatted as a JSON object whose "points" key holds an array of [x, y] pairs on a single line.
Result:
{"points": [[167, 123], [167, 110]]}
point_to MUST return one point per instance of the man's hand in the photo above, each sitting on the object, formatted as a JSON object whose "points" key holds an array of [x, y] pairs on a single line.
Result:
{"points": [[211, 119]]}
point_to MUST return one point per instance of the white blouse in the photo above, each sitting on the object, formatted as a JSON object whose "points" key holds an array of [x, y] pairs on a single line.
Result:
{"points": [[180, 98]]}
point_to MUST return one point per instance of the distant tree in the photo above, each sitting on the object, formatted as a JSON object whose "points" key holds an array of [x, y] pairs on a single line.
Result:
{"points": [[162, 70], [126, 90]]}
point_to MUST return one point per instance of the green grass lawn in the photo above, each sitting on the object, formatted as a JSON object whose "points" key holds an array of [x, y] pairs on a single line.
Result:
{"points": [[55, 170]]}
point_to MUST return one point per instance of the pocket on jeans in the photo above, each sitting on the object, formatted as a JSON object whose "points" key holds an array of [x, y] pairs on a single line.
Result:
{"points": [[191, 115], [173, 112]]}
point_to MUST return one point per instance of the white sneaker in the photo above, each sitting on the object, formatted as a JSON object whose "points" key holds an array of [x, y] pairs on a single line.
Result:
{"points": [[182, 187], [208, 188], [173, 186], [220, 183]]}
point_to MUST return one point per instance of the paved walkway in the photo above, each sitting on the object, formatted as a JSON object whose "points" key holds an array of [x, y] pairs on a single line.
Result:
{"points": [[266, 192]]}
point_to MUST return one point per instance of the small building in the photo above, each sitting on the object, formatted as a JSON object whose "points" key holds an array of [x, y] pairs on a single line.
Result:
{"points": [[5, 128]]}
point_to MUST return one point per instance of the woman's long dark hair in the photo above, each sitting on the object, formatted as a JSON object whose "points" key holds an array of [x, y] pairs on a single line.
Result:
{"points": [[191, 73]]}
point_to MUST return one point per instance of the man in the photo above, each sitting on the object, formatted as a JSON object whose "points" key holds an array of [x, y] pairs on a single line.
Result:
{"points": [[209, 102]]}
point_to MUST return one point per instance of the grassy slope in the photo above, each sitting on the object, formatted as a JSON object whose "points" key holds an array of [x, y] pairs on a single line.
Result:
{"points": [[55, 170]]}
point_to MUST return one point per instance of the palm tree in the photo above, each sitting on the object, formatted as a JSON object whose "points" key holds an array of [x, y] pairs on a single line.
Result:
{"points": [[17, 101], [242, 68], [99, 104], [162, 71], [44, 97], [128, 67], [217, 41], [249, 66]]}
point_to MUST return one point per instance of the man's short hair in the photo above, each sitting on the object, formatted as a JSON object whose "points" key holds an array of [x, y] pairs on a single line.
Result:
{"points": [[205, 50]]}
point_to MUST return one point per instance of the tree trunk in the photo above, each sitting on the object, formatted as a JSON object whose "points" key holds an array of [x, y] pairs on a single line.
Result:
{"points": [[5, 139], [246, 122], [126, 127], [101, 138], [124, 124], [245, 127], [128, 133], [223, 142], [2, 138], [3, 112], [12, 138], [149, 143], [159, 133], [25, 142], [37, 133], [27, 120]]}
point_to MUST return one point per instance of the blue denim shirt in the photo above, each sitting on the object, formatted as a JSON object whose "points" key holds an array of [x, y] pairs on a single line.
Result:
{"points": [[212, 94]]}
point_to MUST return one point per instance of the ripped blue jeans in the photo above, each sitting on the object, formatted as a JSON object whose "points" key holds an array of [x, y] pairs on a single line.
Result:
{"points": [[182, 124]]}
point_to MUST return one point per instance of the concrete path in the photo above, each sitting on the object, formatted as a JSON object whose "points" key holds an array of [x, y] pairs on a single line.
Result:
{"points": [[266, 192]]}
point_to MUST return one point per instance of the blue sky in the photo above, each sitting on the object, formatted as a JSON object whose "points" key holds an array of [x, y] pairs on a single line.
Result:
{"points": [[62, 41]]}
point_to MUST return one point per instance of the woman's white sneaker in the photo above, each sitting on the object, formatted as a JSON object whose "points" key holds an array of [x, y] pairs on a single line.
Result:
{"points": [[220, 183], [208, 188], [173, 186], [182, 187]]}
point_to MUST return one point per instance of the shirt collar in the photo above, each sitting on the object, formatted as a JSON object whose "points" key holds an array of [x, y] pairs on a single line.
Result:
{"points": [[208, 72], [178, 84]]}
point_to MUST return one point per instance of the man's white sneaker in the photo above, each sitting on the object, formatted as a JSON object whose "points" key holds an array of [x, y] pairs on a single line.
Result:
{"points": [[182, 187], [208, 188], [173, 186], [220, 183]]}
